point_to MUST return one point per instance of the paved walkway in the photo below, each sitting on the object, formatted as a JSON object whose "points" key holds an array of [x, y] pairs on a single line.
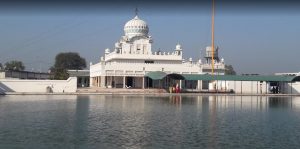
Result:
{"points": [[132, 91], [119, 90]]}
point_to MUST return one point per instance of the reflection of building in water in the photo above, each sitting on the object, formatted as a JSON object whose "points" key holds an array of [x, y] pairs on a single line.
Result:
{"points": [[122, 116], [244, 103], [175, 99], [81, 118]]}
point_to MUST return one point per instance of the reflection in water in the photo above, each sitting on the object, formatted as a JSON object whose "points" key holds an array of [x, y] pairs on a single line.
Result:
{"points": [[212, 123], [175, 99], [277, 102], [128, 121], [81, 120]]}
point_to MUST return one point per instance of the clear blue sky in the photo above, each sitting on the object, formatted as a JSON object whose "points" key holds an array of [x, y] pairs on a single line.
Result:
{"points": [[251, 39]]}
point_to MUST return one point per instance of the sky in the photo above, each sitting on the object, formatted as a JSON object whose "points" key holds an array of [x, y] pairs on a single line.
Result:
{"points": [[253, 37]]}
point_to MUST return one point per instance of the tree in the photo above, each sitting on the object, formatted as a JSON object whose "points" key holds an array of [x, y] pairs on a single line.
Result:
{"points": [[59, 74], [14, 65], [1, 67], [65, 61], [229, 70]]}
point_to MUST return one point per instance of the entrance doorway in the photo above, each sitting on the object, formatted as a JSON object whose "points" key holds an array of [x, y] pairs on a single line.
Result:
{"points": [[129, 82], [274, 87], [149, 82], [205, 85]]}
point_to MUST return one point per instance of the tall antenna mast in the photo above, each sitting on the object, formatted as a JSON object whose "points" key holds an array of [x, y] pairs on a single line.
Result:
{"points": [[212, 36]]}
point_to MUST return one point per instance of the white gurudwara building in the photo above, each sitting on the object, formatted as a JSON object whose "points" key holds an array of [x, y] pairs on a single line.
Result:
{"points": [[133, 58]]}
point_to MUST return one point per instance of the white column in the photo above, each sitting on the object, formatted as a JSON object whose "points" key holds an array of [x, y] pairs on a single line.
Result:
{"points": [[143, 83], [110, 81], [180, 83], [102, 81], [251, 87], [124, 81], [91, 81], [199, 84]]}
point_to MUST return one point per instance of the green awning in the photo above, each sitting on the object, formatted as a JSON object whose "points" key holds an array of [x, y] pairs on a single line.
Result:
{"points": [[159, 75], [156, 75]]}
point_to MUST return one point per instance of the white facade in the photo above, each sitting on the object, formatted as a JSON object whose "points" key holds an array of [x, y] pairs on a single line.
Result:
{"points": [[133, 57]]}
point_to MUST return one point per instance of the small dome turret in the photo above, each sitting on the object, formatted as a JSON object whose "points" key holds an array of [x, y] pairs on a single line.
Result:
{"points": [[107, 51], [178, 50], [178, 47]]}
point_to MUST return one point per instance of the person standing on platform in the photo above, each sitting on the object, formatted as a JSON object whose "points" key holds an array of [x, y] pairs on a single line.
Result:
{"points": [[177, 88]]}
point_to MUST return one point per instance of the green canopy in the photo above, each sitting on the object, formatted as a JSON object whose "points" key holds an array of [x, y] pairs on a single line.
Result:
{"points": [[159, 75], [268, 78], [156, 75]]}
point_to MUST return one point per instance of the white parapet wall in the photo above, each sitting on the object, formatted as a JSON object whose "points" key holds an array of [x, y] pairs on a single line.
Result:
{"points": [[38, 86]]}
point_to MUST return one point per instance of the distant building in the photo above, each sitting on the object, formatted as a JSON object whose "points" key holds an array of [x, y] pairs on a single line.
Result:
{"points": [[83, 77], [132, 58], [289, 74], [24, 75]]}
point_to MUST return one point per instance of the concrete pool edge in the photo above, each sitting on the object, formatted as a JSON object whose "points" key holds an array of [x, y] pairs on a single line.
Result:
{"points": [[141, 93]]}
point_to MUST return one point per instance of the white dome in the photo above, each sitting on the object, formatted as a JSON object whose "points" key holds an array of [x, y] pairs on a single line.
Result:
{"points": [[136, 27]]}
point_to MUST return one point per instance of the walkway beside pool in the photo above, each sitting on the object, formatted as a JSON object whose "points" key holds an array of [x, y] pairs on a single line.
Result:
{"points": [[132, 91]]}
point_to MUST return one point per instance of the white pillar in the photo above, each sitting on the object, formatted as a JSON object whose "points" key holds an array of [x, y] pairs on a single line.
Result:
{"points": [[199, 85], [256, 87], [102, 81], [110, 81], [91, 81], [143, 83], [124, 81], [180, 83], [241, 87], [291, 87], [266, 87], [251, 87], [260, 87]]}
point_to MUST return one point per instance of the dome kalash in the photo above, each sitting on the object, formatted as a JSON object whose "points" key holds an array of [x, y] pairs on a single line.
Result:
{"points": [[136, 27]]}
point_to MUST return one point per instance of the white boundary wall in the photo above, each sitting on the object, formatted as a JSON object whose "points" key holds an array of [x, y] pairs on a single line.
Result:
{"points": [[2, 75], [249, 87], [290, 88], [254, 87], [241, 87], [40, 86]]}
